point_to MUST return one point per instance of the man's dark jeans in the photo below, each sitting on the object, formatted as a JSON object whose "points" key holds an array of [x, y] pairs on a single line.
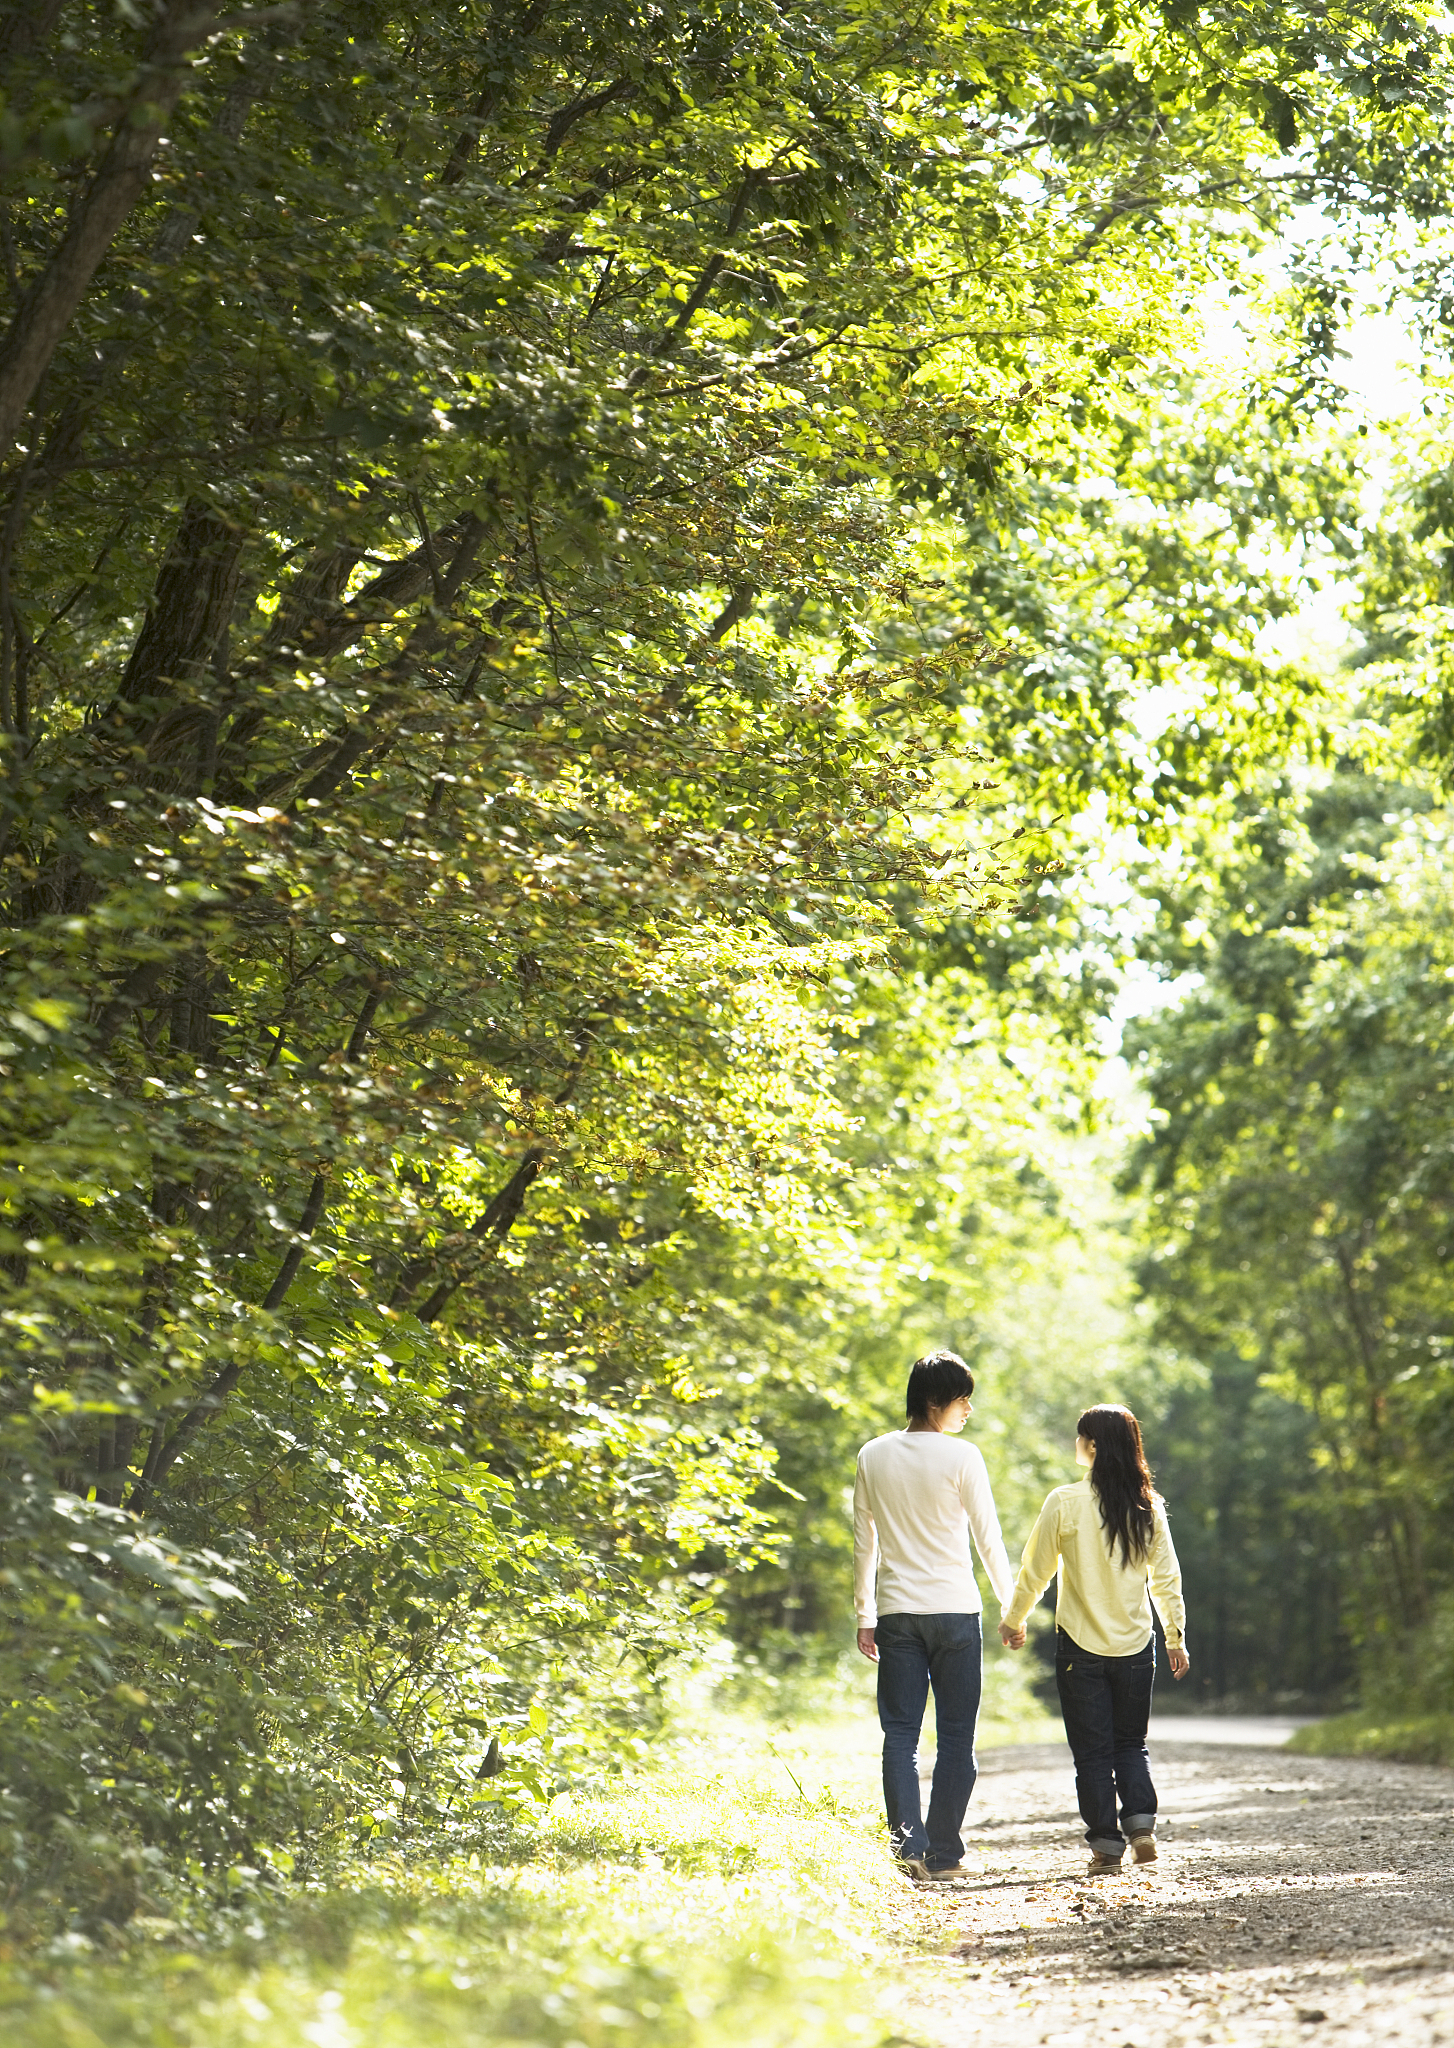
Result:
{"points": [[916, 1651], [1106, 1702]]}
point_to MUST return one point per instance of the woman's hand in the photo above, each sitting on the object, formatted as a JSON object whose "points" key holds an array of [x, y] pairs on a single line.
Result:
{"points": [[1178, 1660], [867, 1647], [1012, 1638]]}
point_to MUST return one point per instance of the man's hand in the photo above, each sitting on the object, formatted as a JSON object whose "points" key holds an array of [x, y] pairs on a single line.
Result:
{"points": [[867, 1647], [1012, 1638], [1178, 1660]]}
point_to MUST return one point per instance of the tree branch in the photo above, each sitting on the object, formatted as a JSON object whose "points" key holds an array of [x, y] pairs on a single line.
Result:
{"points": [[165, 1452], [121, 179], [696, 298], [494, 80], [497, 1222], [26, 25], [356, 740], [738, 605], [135, 990], [504, 1208]]}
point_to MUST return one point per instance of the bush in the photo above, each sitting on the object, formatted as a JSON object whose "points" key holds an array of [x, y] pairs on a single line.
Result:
{"points": [[709, 1903], [124, 1722], [1424, 1739]]}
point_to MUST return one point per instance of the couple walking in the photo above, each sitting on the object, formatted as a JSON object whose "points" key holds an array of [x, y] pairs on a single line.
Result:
{"points": [[918, 1495]]}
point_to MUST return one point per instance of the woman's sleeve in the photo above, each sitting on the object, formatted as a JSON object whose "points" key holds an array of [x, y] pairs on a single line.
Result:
{"points": [[1037, 1566], [1164, 1575]]}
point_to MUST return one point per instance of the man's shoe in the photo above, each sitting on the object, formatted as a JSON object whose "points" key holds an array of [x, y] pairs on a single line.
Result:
{"points": [[1145, 1848], [1102, 1866], [922, 1873]]}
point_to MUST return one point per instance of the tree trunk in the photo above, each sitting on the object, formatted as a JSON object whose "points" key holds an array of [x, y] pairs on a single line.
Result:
{"points": [[196, 589], [26, 25], [121, 179]]}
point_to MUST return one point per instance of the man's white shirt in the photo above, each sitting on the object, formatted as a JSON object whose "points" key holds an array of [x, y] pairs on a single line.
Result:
{"points": [[916, 1499]]}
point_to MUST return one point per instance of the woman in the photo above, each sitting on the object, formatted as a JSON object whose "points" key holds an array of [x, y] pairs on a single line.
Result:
{"points": [[1108, 1538]]}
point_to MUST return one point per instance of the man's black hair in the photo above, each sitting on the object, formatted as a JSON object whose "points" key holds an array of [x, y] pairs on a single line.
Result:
{"points": [[935, 1380]]}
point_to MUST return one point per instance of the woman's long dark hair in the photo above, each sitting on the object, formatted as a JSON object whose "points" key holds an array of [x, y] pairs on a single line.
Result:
{"points": [[1121, 1478]]}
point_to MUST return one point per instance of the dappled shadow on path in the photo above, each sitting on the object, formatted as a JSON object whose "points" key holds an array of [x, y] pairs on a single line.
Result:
{"points": [[1297, 1897]]}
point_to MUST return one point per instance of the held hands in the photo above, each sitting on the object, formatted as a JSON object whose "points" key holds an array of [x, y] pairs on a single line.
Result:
{"points": [[1014, 1639]]}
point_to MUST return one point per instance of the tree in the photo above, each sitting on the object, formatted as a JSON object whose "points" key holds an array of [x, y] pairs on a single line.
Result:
{"points": [[1298, 1180], [462, 466]]}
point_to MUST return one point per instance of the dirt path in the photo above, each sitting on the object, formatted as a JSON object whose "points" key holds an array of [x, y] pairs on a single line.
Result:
{"points": [[1298, 1899]]}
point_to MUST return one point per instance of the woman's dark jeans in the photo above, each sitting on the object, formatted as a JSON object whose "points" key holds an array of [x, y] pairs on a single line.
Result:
{"points": [[916, 1651], [1106, 1702]]}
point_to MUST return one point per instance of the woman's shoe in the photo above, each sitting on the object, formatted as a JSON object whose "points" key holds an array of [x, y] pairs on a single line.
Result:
{"points": [[1145, 1848]]}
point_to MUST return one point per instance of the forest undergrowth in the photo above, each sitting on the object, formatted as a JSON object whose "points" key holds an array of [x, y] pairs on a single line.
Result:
{"points": [[1403, 1739], [736, 1887]]}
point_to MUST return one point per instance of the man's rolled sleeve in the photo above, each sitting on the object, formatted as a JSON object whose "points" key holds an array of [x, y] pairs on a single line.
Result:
{"points": [[984, 1524], [865, 1554], [1038, 1565]]}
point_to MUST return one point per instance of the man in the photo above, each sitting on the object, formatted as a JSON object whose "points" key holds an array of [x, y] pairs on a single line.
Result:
{"points": [[917, 1496]]}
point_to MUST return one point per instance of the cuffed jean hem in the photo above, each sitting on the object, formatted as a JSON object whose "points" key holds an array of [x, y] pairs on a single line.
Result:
{"points": [[1115, 1845], [1106, 1702]]}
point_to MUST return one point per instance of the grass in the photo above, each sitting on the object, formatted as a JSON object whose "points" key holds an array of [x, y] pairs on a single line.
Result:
{"points": [[739, 1893], [1419, 1739], [606, 1963]]}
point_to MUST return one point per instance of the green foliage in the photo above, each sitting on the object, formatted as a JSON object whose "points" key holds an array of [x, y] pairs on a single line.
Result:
{"points": [[1254, 1528], [1297, 1175], [706, 1902], [98, 1608], [959, 1224], [1128, 587], [1424, 1739], [468, 734]]}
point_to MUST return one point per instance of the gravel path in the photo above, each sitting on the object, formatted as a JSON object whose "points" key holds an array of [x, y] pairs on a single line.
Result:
{"points": [[1298, 1899]]}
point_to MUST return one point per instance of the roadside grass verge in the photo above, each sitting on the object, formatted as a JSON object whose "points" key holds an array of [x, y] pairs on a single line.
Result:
{"points": [[737, 1896], [1420, 1739]]}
